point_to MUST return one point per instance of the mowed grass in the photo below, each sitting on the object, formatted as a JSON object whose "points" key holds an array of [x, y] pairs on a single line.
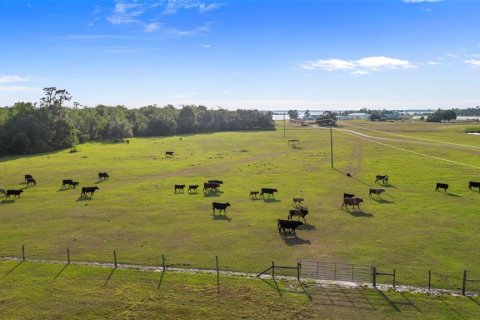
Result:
{"points": [[137, 213], [45, 291]]}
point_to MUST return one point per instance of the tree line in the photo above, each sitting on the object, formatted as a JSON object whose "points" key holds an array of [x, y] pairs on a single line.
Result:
{"points": [[29, 127]]}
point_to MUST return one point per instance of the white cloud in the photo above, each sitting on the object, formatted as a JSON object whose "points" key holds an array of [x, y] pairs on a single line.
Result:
{"points": [[361, 66], [472, 62], [207, 46], [186, 33], [14, 78], [173, 6], [126, 12], [152, 27]]}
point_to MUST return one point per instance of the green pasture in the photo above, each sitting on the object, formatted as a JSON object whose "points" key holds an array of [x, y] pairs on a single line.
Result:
{"points": [[48, 291], [137, 213]]}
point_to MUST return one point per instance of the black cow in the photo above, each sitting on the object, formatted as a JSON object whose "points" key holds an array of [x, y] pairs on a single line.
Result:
{"points": [[384, 179], [209, 186], [31, 181], [70, 183], [216, 181], [169, 154], [298, 213], [443, 186], [179, 187], [348, 195], [473, 184], [15, 193], [284, 225], [378, 192], [220, 206], [268, 191], [90, 190], [351, 202], [103, 176], [193, 188], [28, 176], [3, 191]]}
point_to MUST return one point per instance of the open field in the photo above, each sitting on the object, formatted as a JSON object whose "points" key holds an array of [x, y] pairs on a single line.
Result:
{"points": [[35, 290], [137, 213]]}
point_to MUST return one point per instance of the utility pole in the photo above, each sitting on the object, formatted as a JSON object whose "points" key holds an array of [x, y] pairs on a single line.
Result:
{"points": [[331, 146], [284, 124]]}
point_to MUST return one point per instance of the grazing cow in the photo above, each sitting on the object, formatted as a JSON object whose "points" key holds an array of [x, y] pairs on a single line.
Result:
{"points": [[443, 186], [169, 154], [297, 201], [384, 179], [351, 202], [28, 176], [375, 191], [348, 195], [179, 187], [473, 184], [254, 194], [31, 181], [193, 188], [70, 183], [15, 193], [298, 213], [216, 181], [268, 191], [220, 206], [90, 190], [210, 186], [284, 225], [103, 176]]}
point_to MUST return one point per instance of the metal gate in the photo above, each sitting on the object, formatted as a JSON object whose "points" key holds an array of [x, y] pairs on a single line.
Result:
{"points": [[336, 271]]}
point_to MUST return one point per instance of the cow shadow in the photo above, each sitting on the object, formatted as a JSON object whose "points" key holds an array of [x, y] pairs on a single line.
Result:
{"points": [[99, 181], [62, 189], [475, 191], [388, 185], [380, 200], [84, 198], [223, 217], [211, 194], [452, 195], [268, 200], [360, 214], [179, 192], [306, 226], [5, 201], [255, 199], [26, 187], [295, 241], [193, 193]]}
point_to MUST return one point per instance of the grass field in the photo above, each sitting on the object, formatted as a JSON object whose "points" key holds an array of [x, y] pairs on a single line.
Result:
{"points": [[45, 291], [137, 213]]}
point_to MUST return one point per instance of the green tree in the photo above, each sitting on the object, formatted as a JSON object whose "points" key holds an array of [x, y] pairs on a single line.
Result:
{"points": [[293, 114], [186, 120]]}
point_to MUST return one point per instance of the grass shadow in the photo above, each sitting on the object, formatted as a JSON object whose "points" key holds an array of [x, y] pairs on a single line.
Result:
{"points": [[474, 300], [360, 214], [60, 272], [390, 302], [221, 217], [350, 176], [109, 277], [13, 269], [5, 201]]}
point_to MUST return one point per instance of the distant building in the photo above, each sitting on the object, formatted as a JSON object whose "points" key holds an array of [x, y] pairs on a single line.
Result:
{"points": [[326, 122], [355, 116], [390, 116]]}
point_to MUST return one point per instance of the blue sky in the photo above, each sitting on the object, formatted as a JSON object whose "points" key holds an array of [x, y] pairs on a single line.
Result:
{"points": [[244, 54]]}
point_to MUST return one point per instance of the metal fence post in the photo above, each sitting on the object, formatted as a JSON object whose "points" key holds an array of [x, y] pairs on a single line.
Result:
{"points": [[464, 284], [163, 262], [374, 277], [68, 256], [299, 266], [115, 258], [273, 270], [218, 276], [23, 253], [394, 278], [429, 280], [318, 267]]}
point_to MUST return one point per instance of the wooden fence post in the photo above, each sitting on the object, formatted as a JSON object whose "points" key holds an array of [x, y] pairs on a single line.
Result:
{"points": [[23, 253], [218, 276], [115, 258], [374, 277], [68, 256], [394, 278], [299, 266], [429, 279], [464, 284]]}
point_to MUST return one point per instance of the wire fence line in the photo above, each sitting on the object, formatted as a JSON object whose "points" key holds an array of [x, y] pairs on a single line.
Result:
{"points": [[465, 282]]}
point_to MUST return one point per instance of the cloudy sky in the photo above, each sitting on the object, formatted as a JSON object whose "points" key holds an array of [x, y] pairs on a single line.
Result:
{"points": [[249, 54]]}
